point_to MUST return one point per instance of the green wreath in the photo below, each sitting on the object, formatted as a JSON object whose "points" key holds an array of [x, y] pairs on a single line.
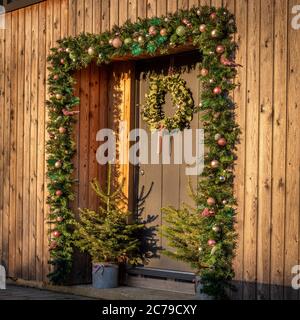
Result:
{"points": [[182, 98]]}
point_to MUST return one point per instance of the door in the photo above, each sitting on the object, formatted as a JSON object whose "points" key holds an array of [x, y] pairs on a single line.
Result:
{"points": [[167, 184]]}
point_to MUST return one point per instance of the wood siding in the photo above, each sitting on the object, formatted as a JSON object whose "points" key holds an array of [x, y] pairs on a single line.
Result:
{"points": [[267, 171]]}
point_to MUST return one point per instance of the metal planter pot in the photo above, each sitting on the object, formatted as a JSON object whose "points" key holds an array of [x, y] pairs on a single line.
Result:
{"points": [[105, 276]]}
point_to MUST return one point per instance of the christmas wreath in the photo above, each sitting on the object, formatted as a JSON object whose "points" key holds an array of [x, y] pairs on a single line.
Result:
{"points": [[182, 98]]}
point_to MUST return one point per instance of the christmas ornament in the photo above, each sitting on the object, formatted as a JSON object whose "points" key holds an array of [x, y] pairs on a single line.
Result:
{"points": [[222, 142], [202, 28], [220, 49], [211, 201], [217, 137], [152, 31], [214, 33], [91, 51], [198, 12], [110, 41], [62, 130], [127, 41], [70, 113], [211, 81], [200, 249], [62, 61], [211, 242], [163, 32], [217, 90], [58, 164], [213, 16], [204, 72], [141, 40], [117, 43], [222, 178], [68, 50], [216, 228], [207, 213], [185, 21], [59, 193], [214, 164], [60, 49], [224, 202], [59, 219], [56, 234], [58, 96], [180, 31], [55, 77], [53, 245]]}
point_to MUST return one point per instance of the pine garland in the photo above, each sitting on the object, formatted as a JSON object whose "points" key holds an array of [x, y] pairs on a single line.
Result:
{"points": [[209, 29]]}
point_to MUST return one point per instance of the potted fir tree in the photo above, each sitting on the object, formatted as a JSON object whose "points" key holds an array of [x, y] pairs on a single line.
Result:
{"points": [[108, 235]]}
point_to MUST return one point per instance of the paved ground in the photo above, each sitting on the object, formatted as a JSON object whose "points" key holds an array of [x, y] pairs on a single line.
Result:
{"points": [[14, 292]]}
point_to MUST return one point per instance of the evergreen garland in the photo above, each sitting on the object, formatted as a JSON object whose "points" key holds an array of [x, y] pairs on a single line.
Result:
{"points": [[209, 29]]}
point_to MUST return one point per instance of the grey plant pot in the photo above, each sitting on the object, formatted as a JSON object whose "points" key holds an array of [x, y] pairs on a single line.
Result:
{"points": [[198, 288], [105, 275]]}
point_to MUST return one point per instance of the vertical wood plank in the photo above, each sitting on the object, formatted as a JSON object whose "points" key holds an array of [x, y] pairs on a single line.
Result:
{"points": [[132, 10], [172, 6], [93, 129], [142, 8], [97, 16], [151, 8], [161, 8], [193, 3], [88, 16], [64, 17], [205, 2], [26, 155], [83, 152], [72, 14], [252, 134], [20, 143], [279, 149], [80, 17], [105, 15], [265, 149], [12, 146], [123, 12], [113, 13], [216, 3], [41, 143], [2, 128], [183, 4], [33, 140], [293, 160]]}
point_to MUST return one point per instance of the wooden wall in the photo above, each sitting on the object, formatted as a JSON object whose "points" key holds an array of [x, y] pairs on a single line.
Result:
{"points": [[267, 171]]}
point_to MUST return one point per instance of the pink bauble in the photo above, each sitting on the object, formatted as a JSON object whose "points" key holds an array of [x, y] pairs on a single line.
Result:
{"points": [[53, 245], [211, 242], [59, 219], [213, 16], [222, 142], [204, 72], [163, 32], [59, 193], [202, 28], [220, 49], [152, 31], [56, 234], [211, 201], [55, 77], [207, 213], [217, 90], [62, 130], [62, 61], [117, 42]]}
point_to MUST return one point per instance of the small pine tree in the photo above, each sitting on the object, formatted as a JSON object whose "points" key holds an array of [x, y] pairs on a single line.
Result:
{"points": [[106, 234]]}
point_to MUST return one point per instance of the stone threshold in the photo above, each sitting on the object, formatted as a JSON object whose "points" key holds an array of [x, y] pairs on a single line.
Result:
{"points": [[120, 293]]}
